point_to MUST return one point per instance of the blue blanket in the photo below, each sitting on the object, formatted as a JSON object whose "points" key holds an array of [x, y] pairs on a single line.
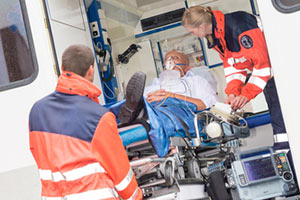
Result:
{"points": [[168, 118], [172, 117]]}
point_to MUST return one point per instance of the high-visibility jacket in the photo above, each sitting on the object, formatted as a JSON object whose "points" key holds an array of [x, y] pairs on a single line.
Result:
{"points": [[239, 40], [77, 147]]}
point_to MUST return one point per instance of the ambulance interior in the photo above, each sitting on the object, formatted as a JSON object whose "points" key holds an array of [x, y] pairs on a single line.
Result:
{"points": [[243, 159]]}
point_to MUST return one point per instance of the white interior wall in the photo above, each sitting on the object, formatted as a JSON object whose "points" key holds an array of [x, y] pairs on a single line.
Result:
{"points": [[122, 37], [143, 61], [69, 25]]}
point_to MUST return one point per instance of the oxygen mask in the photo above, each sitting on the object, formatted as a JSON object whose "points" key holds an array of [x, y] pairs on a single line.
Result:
{"points": [[170, 64]]}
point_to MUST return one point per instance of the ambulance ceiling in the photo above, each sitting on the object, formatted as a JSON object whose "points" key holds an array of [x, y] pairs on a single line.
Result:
{"points": [[138, 7], [124, 15]]}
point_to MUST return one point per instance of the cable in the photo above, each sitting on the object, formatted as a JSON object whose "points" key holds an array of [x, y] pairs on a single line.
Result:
{"points": [[164, 99], [111, 91], [111, 70], [103, 53], [187, 87]]}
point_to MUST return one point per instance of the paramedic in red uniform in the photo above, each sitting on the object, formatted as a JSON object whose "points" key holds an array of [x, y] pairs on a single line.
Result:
{"points": [[75, 141], [239, 40]]}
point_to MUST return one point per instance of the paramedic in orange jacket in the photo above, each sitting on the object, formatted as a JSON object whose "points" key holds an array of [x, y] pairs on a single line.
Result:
{"points": [[239, 40], [75, 141]]}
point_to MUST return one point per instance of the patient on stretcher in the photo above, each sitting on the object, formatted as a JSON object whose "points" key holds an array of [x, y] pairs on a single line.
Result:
{"points": [[179, 81], [170, 101]]}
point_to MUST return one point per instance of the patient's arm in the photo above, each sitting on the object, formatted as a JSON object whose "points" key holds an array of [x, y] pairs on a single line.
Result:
{"points": [[158, 95]]}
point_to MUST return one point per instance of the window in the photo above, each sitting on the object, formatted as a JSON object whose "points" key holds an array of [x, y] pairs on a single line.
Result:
{"points": [[17, 66], [286, 6]]}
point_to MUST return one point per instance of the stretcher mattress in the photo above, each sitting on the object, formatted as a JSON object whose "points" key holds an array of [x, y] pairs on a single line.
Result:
{"points": [[138, 133]]}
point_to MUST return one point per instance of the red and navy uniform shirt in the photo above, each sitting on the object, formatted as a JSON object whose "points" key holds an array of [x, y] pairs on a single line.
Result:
{"points": [[240, 43], [77, 147]]}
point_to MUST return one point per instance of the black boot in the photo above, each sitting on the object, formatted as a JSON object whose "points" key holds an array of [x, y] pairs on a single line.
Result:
{"points": [[134, 98]]}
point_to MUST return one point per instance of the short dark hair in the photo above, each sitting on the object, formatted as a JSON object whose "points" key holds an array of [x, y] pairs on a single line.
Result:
{"points": [[77, 58]]}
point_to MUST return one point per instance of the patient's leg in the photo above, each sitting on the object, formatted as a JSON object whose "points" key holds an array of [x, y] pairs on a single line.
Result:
{"points": [[134, 98]]}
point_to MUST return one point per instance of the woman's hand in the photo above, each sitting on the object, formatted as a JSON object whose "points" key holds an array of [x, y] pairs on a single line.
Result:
{"points": [[157, 95], [238, 102], [230, 99]]}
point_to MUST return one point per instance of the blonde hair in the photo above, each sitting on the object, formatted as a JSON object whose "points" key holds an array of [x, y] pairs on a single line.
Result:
{"points": [[196, 15]]}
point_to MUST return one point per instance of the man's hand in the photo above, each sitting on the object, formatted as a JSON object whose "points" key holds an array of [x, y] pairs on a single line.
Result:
{"points": [[238, 102], [157, 95]]}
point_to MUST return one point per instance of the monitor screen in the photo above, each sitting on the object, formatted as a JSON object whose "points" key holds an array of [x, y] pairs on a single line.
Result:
{"points": [[260, 168]]}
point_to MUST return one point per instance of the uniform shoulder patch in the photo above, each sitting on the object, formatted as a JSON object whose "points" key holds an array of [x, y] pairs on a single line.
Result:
{"points": [[246, 41]]}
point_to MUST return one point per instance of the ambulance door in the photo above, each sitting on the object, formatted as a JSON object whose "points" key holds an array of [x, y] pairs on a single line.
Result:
{"points": [[27, 73], [280, 19]]}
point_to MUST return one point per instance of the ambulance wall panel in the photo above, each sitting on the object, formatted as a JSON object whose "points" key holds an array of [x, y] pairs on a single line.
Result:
{"points": [[69, 25]]}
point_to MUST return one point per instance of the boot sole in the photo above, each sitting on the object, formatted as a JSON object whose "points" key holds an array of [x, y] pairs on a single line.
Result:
{"points": [[134, 95]]}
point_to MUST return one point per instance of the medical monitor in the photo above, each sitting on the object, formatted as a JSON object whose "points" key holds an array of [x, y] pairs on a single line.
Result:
{"points": [[262, 174], [259, 169], [258, 166]]}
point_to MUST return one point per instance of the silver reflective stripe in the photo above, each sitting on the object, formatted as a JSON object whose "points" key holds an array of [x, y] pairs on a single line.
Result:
{"points": [[231, 70], [89, 195], [232, 60], [240, 77], [71, 175], [262, 72], [258, 82], [94, 194], [125, 182], [282, 137], [133, 195], [52, 198], [259, 24]]}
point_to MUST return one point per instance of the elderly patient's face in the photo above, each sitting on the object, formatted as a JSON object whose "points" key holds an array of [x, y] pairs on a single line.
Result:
{"points": [[180, 61]]}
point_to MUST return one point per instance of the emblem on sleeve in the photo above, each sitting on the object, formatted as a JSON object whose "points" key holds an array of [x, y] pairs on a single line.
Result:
{"points": [[246, 42]]}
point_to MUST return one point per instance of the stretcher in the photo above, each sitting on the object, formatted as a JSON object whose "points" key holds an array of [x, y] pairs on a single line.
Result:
{"points": [[185, 168]]}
